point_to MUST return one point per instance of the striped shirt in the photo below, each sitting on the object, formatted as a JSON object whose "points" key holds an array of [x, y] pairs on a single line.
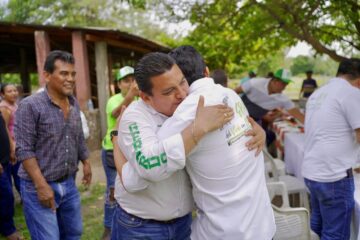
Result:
{"points": [[42, 132]]}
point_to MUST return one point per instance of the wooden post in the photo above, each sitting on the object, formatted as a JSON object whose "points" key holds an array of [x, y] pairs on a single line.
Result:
{"points": [[83, 87], [42, 47], [102, 76], [24, 73]]}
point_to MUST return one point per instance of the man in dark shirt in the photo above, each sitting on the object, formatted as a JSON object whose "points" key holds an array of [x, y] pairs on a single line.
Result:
{"points": [[7, 226], [309, 85], [49, 144]]}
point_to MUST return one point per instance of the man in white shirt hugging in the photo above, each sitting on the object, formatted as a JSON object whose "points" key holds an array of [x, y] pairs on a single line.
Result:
{"points": [[162, 168]]}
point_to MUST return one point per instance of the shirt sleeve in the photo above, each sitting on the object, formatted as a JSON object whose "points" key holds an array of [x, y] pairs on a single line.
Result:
{"points": [[246, 86], [286, 102], [351, 107], [25, 131], [84, 124], [153, 159], [131, 180], [83, 152]]}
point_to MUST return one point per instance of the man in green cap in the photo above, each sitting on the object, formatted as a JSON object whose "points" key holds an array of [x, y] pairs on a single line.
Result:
{"points": [[263, 95], [125, 82]]}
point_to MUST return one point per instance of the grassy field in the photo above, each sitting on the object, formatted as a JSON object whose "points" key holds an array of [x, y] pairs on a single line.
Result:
{"points": [[92, 211]]}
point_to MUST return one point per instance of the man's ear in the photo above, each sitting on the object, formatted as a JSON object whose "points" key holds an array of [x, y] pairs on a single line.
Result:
{"points": [[145, 97], [206, 72], [46, 76]]}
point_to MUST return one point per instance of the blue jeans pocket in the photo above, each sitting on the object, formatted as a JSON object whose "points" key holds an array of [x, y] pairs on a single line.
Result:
{"points": [[28, 186], [127, 220]]}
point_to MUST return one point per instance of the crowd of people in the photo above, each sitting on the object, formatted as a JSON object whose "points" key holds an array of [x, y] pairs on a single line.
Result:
{"points": [[178, 142]]}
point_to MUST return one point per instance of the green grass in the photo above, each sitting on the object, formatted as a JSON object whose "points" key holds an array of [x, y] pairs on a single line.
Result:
{"points": [[92, 211]]}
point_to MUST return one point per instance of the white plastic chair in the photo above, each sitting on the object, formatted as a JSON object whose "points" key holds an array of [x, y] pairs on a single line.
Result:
{"points": [[291, 223], [293, 185]]}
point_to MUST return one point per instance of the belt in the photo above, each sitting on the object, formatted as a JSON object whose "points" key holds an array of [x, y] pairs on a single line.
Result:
{"points": [[349, 173], [63, 178], [174, 220]]}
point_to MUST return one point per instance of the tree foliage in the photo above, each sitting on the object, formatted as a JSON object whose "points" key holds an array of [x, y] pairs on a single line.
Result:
{"points": [[129, 16], [231, 33]]}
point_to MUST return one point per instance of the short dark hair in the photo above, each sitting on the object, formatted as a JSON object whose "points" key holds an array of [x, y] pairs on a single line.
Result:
{"points": [[220, 77], [151, 65], [350, 68], [4, 85], [49, 65], [190, 62]]}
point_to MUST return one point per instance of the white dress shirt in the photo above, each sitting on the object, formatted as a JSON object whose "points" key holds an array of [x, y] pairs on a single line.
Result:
{"points": [[228, 181], [167, 193]]}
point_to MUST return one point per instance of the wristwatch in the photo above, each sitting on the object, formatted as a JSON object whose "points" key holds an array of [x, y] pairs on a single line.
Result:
{"points": [[113, 133]]}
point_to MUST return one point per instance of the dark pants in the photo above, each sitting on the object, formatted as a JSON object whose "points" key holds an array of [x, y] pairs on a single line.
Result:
{"points": [[332, 204], [7, 226], [127, 226], [14, 173]]}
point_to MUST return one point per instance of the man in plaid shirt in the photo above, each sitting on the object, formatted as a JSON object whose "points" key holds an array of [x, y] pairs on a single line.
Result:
{"points": [[49, 144]]}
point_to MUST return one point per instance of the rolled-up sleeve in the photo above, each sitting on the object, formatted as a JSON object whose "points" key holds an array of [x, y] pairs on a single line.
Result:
{"points": [[25, 131]]}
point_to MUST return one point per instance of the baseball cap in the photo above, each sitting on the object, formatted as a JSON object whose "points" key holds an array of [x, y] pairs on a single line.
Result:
{"points": [[123, 72], [283, 75]]}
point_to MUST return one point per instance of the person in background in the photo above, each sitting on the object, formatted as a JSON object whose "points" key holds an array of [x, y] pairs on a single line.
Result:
{"points": [[50, 144], [7, 226], [220, 77], [270, 75], [332, 145], [266, 94], [8, 107], [129, 91], [251, 74], [308, 86]]}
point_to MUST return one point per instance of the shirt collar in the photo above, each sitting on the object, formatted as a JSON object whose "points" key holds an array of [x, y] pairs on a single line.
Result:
{"points": [[200, 84], [340, 80], [151, 109], [45, 93]]}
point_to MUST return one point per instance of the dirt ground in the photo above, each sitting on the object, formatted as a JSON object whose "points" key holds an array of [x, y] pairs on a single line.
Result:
{"points": [[98, 174]]}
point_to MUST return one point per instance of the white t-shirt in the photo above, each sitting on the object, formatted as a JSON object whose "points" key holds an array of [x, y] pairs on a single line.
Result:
{"points": [[256, 89], [228, 181], [156, 184], [332, 115]]}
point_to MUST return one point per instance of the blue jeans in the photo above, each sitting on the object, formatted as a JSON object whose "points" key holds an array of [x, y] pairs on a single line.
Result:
{"points": [[7, 226], [127, 226], [45, 224], [332, 204], [110, 202], [14, 173]]}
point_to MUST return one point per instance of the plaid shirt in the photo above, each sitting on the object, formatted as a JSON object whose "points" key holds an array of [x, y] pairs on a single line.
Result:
{"points": [[42, 132]]}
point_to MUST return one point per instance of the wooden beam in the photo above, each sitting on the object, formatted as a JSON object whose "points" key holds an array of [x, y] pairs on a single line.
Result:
{"points": [[103, 81], [83, 87], [112, 42], [24, 72], [42, 49]]}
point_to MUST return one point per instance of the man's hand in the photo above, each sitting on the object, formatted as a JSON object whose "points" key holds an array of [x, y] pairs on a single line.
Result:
{"points": [[1, 169], [46, 196], [259, 137], [133, 90], [210, 118], [87, 173], [12, 152]]}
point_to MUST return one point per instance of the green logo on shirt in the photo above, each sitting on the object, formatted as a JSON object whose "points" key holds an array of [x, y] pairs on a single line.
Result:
{"points": [[141, 159]]}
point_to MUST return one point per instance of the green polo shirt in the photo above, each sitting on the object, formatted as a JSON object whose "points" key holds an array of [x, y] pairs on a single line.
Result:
{"points": [[112, 103]]}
